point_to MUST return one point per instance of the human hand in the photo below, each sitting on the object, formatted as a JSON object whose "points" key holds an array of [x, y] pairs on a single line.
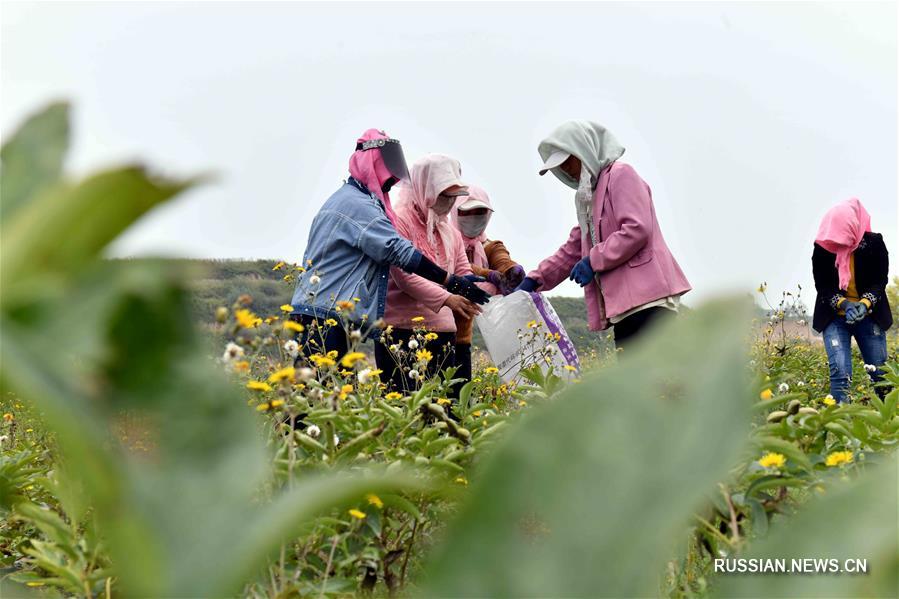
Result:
{"points": [[855, 311], [512, 278], [462, 307], [462, 286], [582, 273], [528, 284]]}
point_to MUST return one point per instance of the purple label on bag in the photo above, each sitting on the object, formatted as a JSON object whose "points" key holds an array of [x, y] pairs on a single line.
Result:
{"points": [[555, 327]]}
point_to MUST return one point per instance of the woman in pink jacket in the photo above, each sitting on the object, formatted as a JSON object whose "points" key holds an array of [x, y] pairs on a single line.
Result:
{"points": [[616, 252], [414, 303]]}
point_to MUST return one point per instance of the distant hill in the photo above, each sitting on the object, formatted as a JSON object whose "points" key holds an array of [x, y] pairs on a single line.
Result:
{"points": [[220, 282]]}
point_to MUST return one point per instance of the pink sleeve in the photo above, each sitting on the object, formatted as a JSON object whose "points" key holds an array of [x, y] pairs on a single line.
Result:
{"points": [[633, 208], [555, 269], [431, 295]]}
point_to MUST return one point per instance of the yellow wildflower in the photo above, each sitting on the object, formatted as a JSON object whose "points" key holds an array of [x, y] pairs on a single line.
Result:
{"points": [[241, 366], [423, 355], [287, 308], [829, 401], [418, 319], [762, 288], [277, 403], [262, 407], [522, 403], [331, 322], [271, 319], [285, 374], [491, 370], [431, 337], [345, 305], [772, 460], [375, 500], [278, 266], [345, 390], [766, 394], [8, 417], [291, 325], [393, 395], [350, 359], [838, 458], [321, 361], [359, 514], [258, 386], [532, 324], [443, 401], [332, 354], [246, 319], [461, 480], [476, 413]]}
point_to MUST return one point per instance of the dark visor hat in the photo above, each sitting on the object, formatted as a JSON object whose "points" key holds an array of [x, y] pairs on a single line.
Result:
{"points": [[391, 152]]}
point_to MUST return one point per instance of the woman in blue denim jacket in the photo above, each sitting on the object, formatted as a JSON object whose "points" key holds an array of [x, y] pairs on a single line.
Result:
{"points": [[352, 245]]}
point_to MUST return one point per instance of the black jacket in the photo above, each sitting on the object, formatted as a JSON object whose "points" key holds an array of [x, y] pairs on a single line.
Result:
{"points": [[872, 266]]}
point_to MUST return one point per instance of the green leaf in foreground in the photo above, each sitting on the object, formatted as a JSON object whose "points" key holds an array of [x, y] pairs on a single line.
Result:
{"points": [[589, 495]]}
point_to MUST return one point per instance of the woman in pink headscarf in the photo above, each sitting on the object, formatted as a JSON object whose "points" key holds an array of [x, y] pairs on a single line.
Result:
{"points": [[413, 303], [850, 264], [351, 247], [488, 258]]}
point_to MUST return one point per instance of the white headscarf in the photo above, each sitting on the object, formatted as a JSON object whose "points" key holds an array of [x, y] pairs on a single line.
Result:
{"points": [[596, 148]]}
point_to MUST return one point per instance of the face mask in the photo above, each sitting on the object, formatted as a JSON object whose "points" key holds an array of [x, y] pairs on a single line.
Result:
{"points": [[443, 204], [389, 183], [472, 225]]}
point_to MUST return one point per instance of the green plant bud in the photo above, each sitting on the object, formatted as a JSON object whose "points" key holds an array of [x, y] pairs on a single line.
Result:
{"points": [[793, 406], [221, 314], [808, 411], [777, 416]]}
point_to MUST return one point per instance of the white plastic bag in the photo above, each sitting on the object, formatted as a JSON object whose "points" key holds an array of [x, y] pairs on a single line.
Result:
{"points": [[522, 329]]}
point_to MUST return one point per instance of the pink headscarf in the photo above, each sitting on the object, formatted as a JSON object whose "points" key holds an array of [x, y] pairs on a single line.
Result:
{"points": [[367, 167], [841, 230], [431, 234], [474, 246]]}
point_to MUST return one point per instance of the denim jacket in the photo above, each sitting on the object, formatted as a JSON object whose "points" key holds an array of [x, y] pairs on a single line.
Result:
{"points": [[352, 245]]}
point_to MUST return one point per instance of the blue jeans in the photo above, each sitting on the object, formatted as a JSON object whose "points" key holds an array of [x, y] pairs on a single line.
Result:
{"points": [[838, 342]]}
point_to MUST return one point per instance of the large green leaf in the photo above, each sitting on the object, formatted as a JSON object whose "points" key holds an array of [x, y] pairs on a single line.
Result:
{"points": [[33, 157], [852, 521], [65, 226], [589, 495]]}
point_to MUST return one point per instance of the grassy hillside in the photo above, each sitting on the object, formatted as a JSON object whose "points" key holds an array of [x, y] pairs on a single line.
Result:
{"points": [[221, 282]]}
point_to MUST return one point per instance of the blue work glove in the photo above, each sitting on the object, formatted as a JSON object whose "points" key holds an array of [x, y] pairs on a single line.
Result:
{"points": [[528, 284], [511, 279], [474, 278], [582, 273], [855, 311]]}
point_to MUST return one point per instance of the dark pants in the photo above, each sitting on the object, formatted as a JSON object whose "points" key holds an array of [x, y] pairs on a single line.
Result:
{"points": [[463, 366], [396, 367], [319, 338], [838, 343], [634, 326]]}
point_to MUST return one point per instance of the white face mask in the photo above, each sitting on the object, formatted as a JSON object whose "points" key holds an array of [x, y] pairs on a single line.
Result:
{"points": [[472, 225], [443, 205]]}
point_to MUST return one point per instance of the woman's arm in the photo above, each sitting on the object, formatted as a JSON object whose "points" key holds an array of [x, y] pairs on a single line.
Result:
{"points": [[880, 268], [555, 269], [824, 272]]}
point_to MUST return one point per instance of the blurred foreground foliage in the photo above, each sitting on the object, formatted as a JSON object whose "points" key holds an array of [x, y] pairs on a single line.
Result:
{"points": [[132, 463]]}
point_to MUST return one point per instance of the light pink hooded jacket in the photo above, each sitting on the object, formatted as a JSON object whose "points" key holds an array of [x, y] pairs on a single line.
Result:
{"points": [[633, 261], [408, 295]]}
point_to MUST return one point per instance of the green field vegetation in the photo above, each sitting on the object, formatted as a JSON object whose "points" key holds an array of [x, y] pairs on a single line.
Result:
{"points": [[141, 458]]}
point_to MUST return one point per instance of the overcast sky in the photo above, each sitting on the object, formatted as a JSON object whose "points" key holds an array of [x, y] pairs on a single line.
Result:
{"points": [[748, 120]]}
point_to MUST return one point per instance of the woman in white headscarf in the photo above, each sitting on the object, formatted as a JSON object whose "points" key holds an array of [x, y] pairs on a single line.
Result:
{"points": [[616, 252]]}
